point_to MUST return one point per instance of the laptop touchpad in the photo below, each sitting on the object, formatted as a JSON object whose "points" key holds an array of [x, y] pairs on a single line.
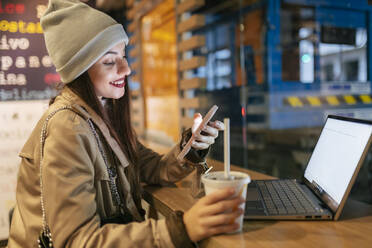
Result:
{"points": [[252, 194], [253, 205]]}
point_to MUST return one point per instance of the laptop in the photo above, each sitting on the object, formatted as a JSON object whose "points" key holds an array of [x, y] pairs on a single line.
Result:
{"points": [[330, 173]]}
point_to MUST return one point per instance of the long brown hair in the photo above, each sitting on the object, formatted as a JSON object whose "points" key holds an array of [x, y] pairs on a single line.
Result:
{"points": [[116, 116]]}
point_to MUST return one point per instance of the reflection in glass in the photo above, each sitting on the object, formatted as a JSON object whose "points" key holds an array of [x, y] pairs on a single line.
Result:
{"points": [[344, 62], [297, 42], [219, 67], [159, 73]]}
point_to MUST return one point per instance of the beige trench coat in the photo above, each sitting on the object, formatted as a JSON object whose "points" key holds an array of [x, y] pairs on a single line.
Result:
{"points": [[76, 190]]}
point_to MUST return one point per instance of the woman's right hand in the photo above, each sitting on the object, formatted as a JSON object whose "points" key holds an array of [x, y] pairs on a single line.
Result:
{"points": [[212, 215]]}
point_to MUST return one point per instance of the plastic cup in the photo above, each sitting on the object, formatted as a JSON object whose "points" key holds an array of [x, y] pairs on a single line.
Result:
{"points": [[216, 180]]}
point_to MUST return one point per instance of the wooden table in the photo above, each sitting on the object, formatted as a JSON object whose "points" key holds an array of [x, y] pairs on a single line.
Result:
{"points": [[353, 229]]}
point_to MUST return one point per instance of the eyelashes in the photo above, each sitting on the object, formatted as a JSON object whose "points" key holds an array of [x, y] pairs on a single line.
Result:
{"points": [[110, 63]]}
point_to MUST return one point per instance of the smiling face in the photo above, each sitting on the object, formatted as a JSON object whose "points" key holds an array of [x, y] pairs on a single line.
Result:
{"points": [[109, 72]]}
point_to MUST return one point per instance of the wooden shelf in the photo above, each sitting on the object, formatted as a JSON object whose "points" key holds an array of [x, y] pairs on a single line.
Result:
{"points": [[135, 78], [193, 83], [136, 104], [189, 5], [129, 3], [135, 93], [134, 52], [192, 63], [134, 38], [192, 43], [194, 22], [130, 14], [137, 117], [135, 66], [133, 26], [186, 122], [189, 102]]}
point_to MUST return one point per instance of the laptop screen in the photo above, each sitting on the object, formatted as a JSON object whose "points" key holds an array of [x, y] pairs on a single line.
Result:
{"points": [[336, 156]]}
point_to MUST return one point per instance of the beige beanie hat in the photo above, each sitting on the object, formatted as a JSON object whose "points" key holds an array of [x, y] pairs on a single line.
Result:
{"points": [[76, 36]]}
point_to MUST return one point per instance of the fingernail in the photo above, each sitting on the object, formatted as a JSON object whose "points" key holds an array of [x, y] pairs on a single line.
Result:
{"points": [[221, 125]]}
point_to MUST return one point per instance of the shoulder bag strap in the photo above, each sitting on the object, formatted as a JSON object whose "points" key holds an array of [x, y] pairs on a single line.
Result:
{"points": [[111, 172]]}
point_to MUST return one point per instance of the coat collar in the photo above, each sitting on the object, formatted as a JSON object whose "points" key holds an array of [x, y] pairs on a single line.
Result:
{"points": [[85, 110]]}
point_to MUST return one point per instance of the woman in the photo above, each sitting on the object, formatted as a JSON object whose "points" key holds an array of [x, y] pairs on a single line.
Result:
{"points": [[92, 163]]}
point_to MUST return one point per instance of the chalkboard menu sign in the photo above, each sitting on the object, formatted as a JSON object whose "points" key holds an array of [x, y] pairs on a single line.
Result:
{"points": [[17, 119], [26, 70], [27, 77]]}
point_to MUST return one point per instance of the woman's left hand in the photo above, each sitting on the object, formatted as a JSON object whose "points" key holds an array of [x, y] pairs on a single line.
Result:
{"points": [[208, 134]]}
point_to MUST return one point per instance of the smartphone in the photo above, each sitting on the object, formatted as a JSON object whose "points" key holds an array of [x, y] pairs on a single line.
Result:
{"points": [[204, 122]]}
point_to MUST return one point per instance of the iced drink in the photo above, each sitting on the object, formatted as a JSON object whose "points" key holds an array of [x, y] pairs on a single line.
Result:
{"points": [[239, 180]]}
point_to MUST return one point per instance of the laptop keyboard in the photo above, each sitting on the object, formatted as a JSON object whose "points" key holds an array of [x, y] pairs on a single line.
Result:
{"points": [[285, 197]]}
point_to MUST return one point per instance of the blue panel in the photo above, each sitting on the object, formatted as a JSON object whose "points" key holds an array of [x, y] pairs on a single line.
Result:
{"points": [[369, 48], [300, 118], [350, 4], [210, 42], [273, 56], [232, 49], [250, 67], [331, 16], [294, 86], [222, 35], [340, 17]]}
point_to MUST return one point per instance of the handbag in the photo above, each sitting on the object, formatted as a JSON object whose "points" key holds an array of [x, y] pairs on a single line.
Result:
{"points": [[45, 237]]}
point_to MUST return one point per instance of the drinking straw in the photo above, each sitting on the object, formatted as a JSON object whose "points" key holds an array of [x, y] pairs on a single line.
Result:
{"points": [[226, 146]]}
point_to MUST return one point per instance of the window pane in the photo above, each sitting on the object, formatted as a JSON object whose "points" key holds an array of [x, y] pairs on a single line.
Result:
{"points": [[343, 57], [297, 43]]}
